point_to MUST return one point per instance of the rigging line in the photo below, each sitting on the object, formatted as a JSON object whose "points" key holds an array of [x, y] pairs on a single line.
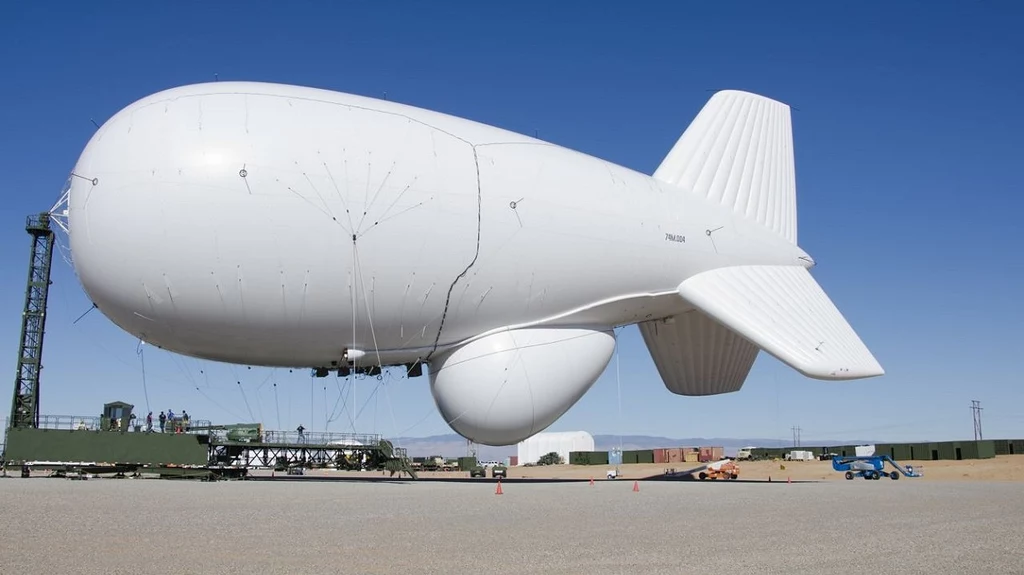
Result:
{"points": [[259, 406], [355, 255], [341, 393], [184, 369], [369, 318], [618, 385], [277, 404], [351, 226], [265, 380], [334, 410], [219, 406], [368, 206], [140, 350], [376, 388], [384, 216], [188, 376], [366, 301], [775, 377], [128, 363], [394, 422], [246, 400], [94, 306], [259, 403]]}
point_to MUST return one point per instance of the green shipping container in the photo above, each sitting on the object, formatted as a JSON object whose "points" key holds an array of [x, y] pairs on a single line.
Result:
{"points": [[1002, 446], [986, 449], [578, 458], [900, 451], [947, 450], [638, 456], [924, 451], [588, 457], [965, 450]]}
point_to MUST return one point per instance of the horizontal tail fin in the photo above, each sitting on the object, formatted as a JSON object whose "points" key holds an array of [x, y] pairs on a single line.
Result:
{"points": [[696, 355], [785, 312], [738, 151]]}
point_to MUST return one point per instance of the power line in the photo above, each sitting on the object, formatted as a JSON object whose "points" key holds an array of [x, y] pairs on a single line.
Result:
{"points": [[976, 412], [796, 436]]}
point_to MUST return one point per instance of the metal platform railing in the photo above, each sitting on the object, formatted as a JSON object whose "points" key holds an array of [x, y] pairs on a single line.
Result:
{"points": [[322, 438], [94, 423]]}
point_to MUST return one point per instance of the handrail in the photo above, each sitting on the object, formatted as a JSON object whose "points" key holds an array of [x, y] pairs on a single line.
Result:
{"points": [[95, 423]]}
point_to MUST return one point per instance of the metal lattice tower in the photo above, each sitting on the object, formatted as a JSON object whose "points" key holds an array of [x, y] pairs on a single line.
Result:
{"points": [[25, 407], [976, 408]]}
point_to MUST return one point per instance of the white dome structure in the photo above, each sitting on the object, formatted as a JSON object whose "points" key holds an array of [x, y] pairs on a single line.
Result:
{"points": [[535, 447]]}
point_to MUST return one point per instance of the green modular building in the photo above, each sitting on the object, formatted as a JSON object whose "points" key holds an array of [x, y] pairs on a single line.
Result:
{"points": [[104, 447], [1009, 446], [923, 451], [638, 456], [588, 458]]}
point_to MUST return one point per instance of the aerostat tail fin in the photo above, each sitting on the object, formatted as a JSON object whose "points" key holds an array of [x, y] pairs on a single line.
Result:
{"points": [[784, 311], [738, 151]]}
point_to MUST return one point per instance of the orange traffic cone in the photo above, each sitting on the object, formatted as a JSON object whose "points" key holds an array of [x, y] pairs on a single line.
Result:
{"points": [[788, 480], [636, 486], [591, 480], [498, 490]]}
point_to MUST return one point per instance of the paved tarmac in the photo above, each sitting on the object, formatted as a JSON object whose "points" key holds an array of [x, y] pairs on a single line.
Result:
{"points": [[147, 525]]}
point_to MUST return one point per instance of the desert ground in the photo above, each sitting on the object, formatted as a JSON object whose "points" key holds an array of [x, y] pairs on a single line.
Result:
{"points": [[1001, 468], [106, 526]]}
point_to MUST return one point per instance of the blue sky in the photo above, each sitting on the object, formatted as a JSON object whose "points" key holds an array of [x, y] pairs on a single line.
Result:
{"points": [[907, 132]]}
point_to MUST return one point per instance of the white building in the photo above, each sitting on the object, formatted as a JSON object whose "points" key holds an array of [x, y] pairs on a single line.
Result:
{"points": [[533, 448]]}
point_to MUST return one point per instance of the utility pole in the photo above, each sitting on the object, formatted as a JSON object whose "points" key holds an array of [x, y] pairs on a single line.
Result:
{"points": [[796, 436], [976, 409]]}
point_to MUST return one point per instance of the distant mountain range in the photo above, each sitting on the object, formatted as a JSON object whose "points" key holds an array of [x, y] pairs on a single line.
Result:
{"points": [[452, 445]]}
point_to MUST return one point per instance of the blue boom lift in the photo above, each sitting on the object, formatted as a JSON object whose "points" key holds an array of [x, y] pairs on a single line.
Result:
{"points": [[872, 467]]}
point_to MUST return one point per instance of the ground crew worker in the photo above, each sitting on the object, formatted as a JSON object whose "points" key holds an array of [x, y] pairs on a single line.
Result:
{"points": [[163, 421]]}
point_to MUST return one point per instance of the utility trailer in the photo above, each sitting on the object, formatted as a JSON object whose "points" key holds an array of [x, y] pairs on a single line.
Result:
{"points": [[872, 467]]}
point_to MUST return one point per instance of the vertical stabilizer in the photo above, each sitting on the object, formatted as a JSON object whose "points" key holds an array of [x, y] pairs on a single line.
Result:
{"points": [[696, 355], [738, 152]]}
